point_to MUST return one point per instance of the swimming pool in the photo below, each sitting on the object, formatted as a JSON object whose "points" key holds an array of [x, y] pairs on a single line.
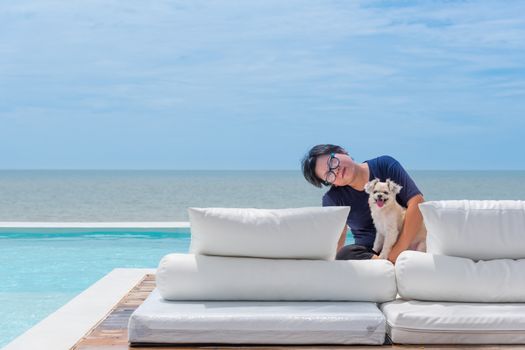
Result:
{"points": [[40, 272]]}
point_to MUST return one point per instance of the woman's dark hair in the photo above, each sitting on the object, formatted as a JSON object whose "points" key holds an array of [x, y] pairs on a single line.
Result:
{"points": [[310, 159]]}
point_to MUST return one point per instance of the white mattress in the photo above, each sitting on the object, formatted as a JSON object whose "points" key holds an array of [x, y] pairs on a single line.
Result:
{"points": [[256, 322], [418, 322]]}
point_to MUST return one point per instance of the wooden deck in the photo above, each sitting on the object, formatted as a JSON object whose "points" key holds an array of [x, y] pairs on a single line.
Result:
{"points": [[111, 333]]}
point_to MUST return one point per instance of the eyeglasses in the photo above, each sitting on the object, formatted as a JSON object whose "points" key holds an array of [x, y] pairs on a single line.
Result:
{"points": [[333, 163]]}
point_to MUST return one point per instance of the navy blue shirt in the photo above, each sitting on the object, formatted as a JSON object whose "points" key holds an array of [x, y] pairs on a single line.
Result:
{"points": [[360, 219]]}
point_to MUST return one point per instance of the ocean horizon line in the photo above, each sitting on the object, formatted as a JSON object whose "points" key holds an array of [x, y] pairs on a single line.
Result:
{"points": [[231, 170]]}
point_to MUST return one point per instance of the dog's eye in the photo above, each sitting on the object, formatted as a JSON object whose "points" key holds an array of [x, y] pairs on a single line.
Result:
{"points": [[375, 191], [385, 192]]}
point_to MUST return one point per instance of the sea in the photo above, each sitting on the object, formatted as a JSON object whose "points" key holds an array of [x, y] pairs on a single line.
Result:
{"points": [[165, 195]]}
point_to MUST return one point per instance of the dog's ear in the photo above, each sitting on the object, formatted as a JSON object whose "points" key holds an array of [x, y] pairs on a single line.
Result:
{"points": [[369, 187], [393, 187]]}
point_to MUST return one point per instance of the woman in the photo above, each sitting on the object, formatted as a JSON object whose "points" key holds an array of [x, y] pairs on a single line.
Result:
{"points": [[330, 165]]}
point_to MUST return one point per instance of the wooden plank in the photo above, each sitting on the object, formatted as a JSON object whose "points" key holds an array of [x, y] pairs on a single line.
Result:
{"points": [[111, 333]]}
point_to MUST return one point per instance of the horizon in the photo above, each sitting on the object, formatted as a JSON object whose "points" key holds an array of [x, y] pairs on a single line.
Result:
{"points": [[246, 170]]}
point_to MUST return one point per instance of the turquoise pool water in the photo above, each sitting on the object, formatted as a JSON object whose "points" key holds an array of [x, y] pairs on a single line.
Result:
{"points": [[41, 272]]}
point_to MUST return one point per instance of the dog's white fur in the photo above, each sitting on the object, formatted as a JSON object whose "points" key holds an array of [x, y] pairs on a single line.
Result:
{"points": [[389, 216]]}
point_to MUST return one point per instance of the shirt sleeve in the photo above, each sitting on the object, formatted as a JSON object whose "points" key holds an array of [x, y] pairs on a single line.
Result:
{"points": [[398, 174], [328, 201]]}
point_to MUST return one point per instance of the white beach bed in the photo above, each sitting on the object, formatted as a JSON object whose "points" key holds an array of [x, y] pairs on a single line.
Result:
{"points": [[469, 288], [256, 322], [416, 322]]}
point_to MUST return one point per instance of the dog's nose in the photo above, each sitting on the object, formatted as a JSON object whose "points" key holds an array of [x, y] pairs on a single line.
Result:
{"points": [[380, 196]]}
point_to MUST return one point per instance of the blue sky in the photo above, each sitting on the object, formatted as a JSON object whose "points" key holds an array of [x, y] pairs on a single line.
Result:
{"points": [[254, 84]]}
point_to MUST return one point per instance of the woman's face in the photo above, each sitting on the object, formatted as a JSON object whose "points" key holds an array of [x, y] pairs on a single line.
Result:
{"points": [[343, 168]]}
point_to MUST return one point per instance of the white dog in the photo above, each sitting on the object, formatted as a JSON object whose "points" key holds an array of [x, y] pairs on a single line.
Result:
{"points": [[389, 216]]}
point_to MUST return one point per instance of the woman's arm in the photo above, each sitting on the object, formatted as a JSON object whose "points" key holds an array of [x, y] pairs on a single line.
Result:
{"points": [[412, 224], [342, 239]]}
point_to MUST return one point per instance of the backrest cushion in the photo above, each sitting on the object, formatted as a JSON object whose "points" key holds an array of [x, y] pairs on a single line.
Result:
{"points": [[475, 229], [297, 233]]}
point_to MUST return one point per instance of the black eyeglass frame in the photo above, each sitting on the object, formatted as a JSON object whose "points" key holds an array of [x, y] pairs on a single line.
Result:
{"points": [[330, 169]]}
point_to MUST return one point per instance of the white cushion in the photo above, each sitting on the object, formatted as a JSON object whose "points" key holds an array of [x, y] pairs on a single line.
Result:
{"points": [[249, 322], [300, 233], [201, 277], [475, 229], [425, 276], [419, 322]]}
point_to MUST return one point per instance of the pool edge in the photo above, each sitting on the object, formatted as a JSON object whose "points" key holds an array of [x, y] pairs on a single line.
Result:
{"points": [[63, 328], [80, 227]]}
